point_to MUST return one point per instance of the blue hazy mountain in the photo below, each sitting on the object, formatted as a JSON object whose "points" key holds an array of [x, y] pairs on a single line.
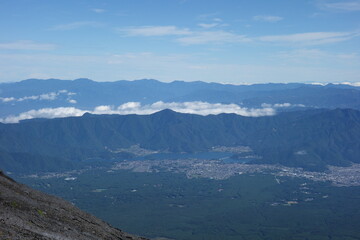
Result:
{"points": [[86, 94]]}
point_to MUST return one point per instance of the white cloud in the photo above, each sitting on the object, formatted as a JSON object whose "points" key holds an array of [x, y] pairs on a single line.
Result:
{"points": [[267, 18], [76, 25], [44, 113], [217, 37], [129, 106], [185, 36], [212, 25], [281, 105], [304, 54], [354, 84], [28, 98], [311, 38], [318, 83], [200, 108], [103, 109], [27, 45], [343, 6], [208, 25], [46, 96], [154, 31], [301, 152], [98, 10], [7, 99]]}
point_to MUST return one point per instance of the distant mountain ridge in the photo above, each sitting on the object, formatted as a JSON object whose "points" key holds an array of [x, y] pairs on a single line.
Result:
{"points": [[310, 139], [19, 97]]}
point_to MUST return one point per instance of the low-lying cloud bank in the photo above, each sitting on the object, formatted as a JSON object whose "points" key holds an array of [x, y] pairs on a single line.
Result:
{"points": [[200, 108], [44, 113]]}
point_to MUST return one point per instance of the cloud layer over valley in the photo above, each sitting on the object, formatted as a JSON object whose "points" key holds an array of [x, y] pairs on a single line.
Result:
{"points": [[200, 108]]}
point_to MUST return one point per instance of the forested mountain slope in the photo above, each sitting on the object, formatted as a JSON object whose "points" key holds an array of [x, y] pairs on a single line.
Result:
{"points": [[310, 139]]}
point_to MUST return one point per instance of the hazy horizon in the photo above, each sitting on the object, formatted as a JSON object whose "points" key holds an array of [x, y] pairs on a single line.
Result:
{"points": [[354, 84]]}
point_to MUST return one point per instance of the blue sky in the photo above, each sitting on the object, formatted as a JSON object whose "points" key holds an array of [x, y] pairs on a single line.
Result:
{"points": [[228, 41]]}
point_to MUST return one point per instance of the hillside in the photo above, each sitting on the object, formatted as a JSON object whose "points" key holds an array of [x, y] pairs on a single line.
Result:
{"points": [[29, 214], [309, 139]]}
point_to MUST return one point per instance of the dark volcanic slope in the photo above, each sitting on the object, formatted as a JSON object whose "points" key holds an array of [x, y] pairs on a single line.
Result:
{"points": [[29, 214]]}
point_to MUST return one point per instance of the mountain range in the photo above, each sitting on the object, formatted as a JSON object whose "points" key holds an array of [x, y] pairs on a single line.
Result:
{"points": [[85, 94], [311, 139]]}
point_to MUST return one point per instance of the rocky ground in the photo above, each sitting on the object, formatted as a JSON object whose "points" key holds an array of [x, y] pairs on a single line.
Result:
{"points": [[29, 214]]}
